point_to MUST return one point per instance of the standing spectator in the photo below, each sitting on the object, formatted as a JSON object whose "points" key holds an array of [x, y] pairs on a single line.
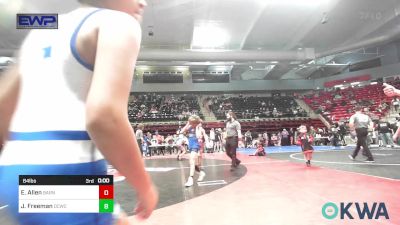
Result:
{"points": [[342, 131], [212, 138], [147, 143], [395, 103], [223, 139], [312, 133], [218, 140], [266, 138], [334, 135], [139, 137], [291, 136], [385, 133], [285, 141], [247, 139]]}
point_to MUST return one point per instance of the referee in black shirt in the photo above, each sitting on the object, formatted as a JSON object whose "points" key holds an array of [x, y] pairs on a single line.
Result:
{"points": [[360, 123]]}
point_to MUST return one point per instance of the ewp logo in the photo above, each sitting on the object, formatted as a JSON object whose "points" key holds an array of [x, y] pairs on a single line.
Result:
{"points": [[37, 21], [330, 210]]}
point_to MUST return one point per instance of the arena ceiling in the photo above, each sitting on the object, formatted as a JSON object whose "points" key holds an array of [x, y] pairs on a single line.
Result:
{"points": [[253, 39]]}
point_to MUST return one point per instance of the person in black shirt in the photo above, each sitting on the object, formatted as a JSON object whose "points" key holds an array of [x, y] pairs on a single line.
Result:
{"points": [[248, 139], [342, 130], [334, 135], [385, 132]]}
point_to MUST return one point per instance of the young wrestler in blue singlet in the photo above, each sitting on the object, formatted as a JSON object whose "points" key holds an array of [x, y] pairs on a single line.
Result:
{"points": [[195, 132], [70, 89]]}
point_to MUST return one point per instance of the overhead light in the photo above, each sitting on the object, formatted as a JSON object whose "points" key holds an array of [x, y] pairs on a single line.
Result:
{"points": [[336, 64], [210, 50], [373, 83], [338, 86], [6, 60], [354, 83], [208, 63], [181, 68], [264, 68], [220, 68], [209, 35], [8, 10], [143, 67], [12, 6]]}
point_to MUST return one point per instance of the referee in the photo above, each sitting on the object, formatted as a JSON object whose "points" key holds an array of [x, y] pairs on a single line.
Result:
{"points": [[233, 136], [360, 123]]}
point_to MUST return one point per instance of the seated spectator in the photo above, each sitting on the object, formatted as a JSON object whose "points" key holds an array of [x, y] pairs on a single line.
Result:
{"points": [[260, 151], [275, 140], [159, 138]]}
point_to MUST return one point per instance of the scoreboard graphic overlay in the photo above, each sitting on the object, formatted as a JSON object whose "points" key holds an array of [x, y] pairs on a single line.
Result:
{"points": [[66, 194]]}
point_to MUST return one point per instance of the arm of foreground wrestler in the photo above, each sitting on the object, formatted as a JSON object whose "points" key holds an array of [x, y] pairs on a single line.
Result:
{"points": [[390, 91], [396, 135], [106, 106], [9, 90]]}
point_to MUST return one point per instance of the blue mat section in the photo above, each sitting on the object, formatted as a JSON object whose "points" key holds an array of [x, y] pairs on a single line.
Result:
{"points": [[293, 148]]}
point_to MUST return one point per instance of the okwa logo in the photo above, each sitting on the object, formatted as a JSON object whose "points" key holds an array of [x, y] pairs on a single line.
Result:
{"points": [[348, 210]]}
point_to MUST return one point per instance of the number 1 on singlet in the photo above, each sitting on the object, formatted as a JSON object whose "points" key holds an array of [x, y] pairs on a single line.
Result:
{"points": [[47, 52]]}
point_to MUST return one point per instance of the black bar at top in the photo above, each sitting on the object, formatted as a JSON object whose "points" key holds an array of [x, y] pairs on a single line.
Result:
{"points": [[66, 180]]}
